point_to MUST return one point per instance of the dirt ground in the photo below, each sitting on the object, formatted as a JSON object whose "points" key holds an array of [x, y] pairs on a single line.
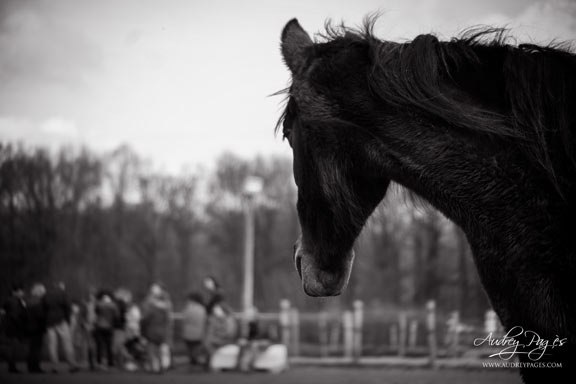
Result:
{"points": [[297, 375]]}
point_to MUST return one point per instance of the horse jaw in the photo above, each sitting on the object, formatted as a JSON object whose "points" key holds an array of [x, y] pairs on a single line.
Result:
{"points": [[319, 280]]}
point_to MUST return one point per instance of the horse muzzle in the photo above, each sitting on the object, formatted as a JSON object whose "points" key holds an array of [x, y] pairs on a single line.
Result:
{"points": [[322, 275]]}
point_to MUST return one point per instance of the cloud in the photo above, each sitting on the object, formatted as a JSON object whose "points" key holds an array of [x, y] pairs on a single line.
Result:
{"points": [[550, 20], [37, 45], [51, 132], [60, 127], [539, 22], [14, 128]]}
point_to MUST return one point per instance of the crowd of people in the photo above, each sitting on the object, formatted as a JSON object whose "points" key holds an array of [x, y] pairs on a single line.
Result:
{"points": [[110, 330]]}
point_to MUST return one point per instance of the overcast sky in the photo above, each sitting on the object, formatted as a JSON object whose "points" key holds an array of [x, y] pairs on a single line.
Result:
{"points": [[182, 81]]}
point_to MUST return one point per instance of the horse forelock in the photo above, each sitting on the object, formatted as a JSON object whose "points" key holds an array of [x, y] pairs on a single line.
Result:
{"points": [[336, 188], [331, 176]]}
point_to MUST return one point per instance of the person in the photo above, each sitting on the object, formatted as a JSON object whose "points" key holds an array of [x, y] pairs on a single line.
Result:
{"points": [[75, 330], [213, 292], [156, 326], [133, 318], [122, 299], [106, 314], [135, 345], [256, 341], [15, 312], [137, 353], [36, 326], [84, 332], [58, 312], [221, 328], [194, 319]]}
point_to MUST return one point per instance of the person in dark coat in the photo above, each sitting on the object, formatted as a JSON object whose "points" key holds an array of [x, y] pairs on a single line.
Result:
{"points": [[59, 310], [122, 298], [15, 324], [36, 326], [106, 316]]}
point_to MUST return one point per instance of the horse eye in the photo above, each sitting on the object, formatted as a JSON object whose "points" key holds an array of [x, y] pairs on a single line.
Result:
{"points": [[287, 132]]}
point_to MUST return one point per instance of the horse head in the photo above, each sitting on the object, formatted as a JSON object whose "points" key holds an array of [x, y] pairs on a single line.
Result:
{"points": [[338, 183]]}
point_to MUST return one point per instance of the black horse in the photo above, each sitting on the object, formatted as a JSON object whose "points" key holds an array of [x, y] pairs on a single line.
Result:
{"points": [[483, 130]]}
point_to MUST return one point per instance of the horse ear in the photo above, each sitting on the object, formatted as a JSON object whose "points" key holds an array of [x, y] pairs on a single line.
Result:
{"points": [[295, 40]]}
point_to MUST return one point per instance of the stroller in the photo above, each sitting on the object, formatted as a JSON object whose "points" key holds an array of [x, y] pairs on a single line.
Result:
{"points": [[136, 348]]}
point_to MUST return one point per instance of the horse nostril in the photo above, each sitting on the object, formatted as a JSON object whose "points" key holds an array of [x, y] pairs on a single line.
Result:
{"points": [[295, 248], [298, 263]]}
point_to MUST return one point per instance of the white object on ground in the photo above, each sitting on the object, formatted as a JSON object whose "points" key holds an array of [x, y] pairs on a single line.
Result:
{"points": [[225, 357], [273, 359]]}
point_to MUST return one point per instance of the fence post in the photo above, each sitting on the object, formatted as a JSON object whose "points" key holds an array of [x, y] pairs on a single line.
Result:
{"points": [[402, 325], [323, 333], [334, 334], [457, 336], [348, 324], [394, 337], [358, 324], [412, 334], [490, 322], [431, 328], [453, 333], [285, 324], [295, 333]]}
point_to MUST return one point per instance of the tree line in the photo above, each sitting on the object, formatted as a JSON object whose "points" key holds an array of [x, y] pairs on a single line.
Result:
{"points": [[113, 220]]}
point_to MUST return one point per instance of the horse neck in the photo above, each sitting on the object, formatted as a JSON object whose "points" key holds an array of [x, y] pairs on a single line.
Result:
{"points": [[514, 220], [485, 187]]}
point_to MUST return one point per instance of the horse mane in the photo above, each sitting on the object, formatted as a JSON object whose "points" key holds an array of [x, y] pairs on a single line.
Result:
{"points": [[531, 104]]}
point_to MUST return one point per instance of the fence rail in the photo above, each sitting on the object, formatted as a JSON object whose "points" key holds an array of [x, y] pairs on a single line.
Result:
{"points": [[368, 334]]}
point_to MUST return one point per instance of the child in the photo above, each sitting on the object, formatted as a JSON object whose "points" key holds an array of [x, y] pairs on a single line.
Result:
{"points": [[137, 353]]}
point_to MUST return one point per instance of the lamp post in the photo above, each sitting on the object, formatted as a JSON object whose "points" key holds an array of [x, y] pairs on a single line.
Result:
{"points": [[252, 187]]}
